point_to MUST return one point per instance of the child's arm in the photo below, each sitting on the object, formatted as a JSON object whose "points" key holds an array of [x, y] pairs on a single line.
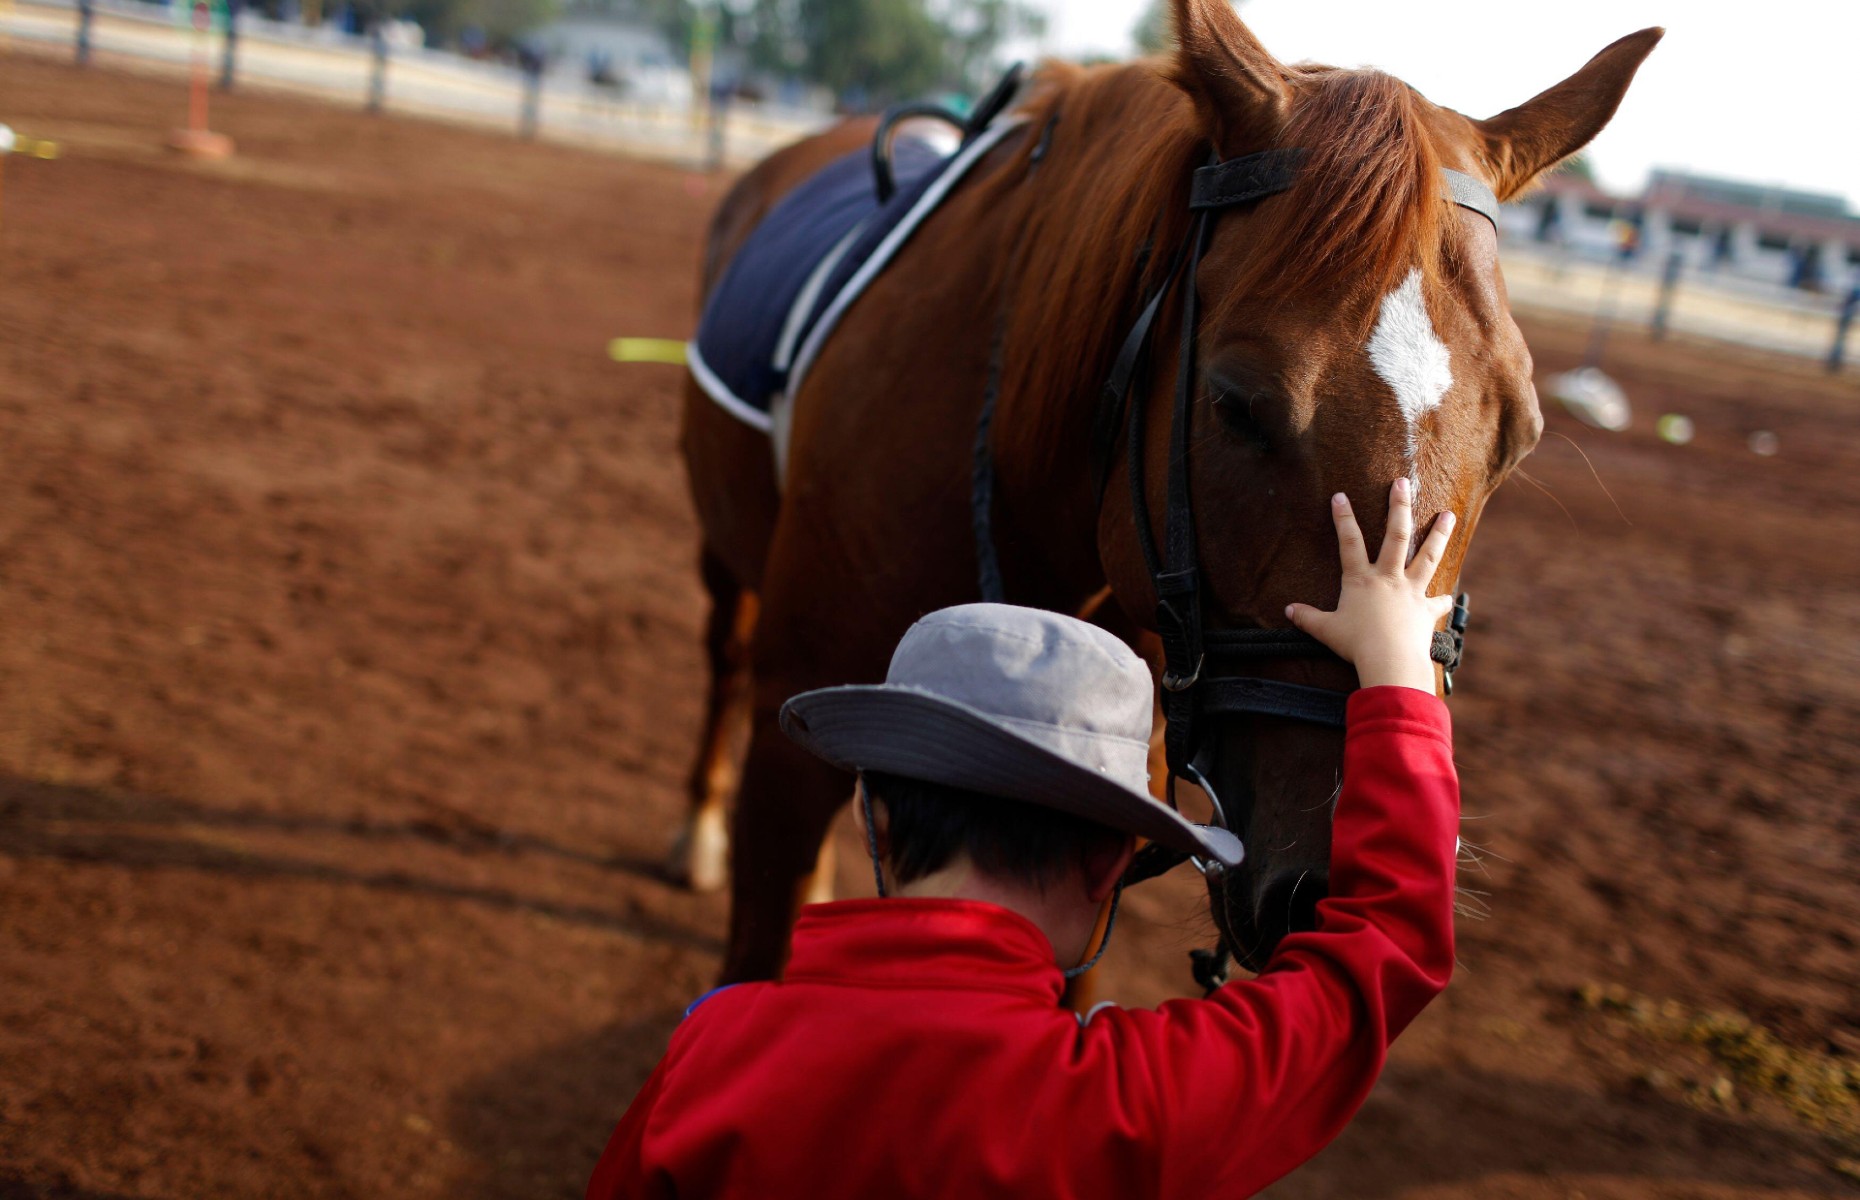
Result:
{"points": [[1252, 1082]]}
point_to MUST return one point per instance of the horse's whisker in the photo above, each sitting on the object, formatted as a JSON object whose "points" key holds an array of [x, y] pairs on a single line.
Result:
{"points": [[1521, 473], [1598, 476]]}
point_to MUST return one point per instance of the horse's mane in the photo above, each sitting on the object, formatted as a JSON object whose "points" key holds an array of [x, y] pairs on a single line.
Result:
{"points": [[1100, 217]]}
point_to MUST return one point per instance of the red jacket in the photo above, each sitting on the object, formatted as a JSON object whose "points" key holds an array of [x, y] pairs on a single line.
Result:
{"points": [[917, 1048]]}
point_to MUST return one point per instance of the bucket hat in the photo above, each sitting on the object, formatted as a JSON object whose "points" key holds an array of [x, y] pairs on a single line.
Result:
{"points": [[1014, 702]]}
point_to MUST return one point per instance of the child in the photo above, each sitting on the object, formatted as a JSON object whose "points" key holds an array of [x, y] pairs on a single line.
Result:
{"points": [[916, 1047]]}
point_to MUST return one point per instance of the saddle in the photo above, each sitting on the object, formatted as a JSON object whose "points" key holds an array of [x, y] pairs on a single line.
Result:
{"points": [[817, 250]]}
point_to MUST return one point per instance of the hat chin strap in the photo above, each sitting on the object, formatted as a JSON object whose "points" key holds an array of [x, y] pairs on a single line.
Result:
{"points": [[871, 838], [878, 877], [1110, 923]]}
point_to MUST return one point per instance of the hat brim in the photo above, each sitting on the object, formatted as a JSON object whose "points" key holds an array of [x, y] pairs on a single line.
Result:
{"points": [[921, 735]]}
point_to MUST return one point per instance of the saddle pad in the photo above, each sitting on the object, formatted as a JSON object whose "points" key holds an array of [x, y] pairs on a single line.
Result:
{"points": [[825, 220], [805, 263]]}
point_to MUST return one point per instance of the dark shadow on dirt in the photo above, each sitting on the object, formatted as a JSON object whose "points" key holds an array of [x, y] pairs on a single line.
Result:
{"points": [[534, 1128], [1466, 1125], [68, 824], [18, 1187]]}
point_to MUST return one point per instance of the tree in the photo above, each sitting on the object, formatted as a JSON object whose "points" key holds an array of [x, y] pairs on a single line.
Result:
{"points": [[1576, 166], [974, 31], [1153, 33], [881, 48], [869, 50], [502, 22]]}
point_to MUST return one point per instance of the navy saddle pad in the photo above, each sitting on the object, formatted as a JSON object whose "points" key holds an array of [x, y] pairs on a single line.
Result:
{"points": [[757, 316]]}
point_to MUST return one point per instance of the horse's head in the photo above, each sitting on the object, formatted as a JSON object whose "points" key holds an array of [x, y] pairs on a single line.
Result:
{"points": [[1351, 330]]}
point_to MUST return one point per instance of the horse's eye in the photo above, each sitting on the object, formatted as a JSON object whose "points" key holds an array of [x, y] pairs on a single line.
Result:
{"points": [[1235, 406]]}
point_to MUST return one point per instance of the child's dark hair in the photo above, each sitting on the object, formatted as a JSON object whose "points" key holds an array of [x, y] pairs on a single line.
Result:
{"points": [[927, 823]]}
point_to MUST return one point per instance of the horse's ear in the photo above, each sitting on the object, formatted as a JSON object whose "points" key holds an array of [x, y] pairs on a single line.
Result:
{"points": [[1525, 141], [1241, 91]]}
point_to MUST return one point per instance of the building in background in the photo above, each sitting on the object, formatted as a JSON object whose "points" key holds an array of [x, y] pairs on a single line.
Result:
{"points": [[1765, 234]]}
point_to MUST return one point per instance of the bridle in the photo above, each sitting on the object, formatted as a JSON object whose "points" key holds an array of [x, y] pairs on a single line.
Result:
{"points": [[1198, 682], [1189, 688]]}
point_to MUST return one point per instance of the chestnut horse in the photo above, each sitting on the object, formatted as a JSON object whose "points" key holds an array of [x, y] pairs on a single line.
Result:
{"points": [[1351, 330]]}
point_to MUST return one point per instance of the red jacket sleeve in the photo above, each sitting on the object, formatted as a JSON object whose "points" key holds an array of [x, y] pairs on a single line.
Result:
{"points": [[1251, 1082]]}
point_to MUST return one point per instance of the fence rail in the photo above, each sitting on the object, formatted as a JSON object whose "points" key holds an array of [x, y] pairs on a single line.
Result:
{"points": [[1699, 304], [325, 63]]}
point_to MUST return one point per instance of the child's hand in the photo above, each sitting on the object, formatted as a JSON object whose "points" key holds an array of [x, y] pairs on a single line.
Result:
{"points": [[1385, 619]]}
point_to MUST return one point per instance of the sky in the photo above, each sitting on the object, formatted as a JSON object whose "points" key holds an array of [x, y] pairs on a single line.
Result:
{"points": [[1765, 92]]}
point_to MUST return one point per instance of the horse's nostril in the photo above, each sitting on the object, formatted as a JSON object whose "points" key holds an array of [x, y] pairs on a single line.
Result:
{"points": [[1288, 903]]}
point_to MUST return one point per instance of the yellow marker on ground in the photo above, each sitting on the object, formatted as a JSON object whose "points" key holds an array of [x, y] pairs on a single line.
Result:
{"points": [[18, 143], [647, 350], [13, 143]]}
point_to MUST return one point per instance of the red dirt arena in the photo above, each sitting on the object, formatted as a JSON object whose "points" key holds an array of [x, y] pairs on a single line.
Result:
{"points": [[349, 671]]}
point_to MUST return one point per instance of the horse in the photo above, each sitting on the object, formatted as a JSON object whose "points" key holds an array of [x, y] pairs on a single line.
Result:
{"points": [[1347, 330]]}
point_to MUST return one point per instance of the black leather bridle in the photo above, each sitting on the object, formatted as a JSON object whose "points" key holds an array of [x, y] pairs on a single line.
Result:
{"points": [[1199, 680], [1192, 684]]}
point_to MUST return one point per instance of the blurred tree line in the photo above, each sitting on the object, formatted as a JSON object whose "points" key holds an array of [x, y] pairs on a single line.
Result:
{"points": [[872, 49], [864, 51], [499, 23]]}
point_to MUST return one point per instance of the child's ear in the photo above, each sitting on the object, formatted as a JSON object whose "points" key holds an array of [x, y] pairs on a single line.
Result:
{"points": [[1104, 864]]}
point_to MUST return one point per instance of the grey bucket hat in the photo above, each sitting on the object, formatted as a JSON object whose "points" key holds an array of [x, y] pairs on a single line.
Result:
{"points": [[1013, 702]]}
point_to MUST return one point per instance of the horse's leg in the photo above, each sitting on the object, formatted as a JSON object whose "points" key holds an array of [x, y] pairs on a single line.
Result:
{"points": [[786, 806], [700, 857], [819, 625]]}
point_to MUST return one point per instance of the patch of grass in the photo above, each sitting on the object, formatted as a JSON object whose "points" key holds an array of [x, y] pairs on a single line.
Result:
{"points": [[1821, 1090]]}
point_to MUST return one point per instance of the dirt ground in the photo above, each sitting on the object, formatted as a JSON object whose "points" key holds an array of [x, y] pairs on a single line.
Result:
{"points": [[349, 670]]}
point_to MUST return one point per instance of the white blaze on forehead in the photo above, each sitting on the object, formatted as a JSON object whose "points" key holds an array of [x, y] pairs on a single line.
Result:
{"points": [[1408, 355]]}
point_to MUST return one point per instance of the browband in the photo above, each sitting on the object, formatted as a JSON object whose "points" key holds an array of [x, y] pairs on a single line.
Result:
{"points": [[1256, 176], [1470, 193]]}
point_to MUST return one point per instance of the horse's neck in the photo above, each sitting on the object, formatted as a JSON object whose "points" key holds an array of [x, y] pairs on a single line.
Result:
{"points": [[1071, 289]]}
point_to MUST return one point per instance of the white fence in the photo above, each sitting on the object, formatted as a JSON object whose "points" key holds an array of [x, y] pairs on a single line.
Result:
{"points": [[334, 66], [1719, 307], [330, 65]]}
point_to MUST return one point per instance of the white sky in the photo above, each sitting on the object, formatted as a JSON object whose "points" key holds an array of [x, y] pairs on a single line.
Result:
{"points": [[1766, 92]]}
